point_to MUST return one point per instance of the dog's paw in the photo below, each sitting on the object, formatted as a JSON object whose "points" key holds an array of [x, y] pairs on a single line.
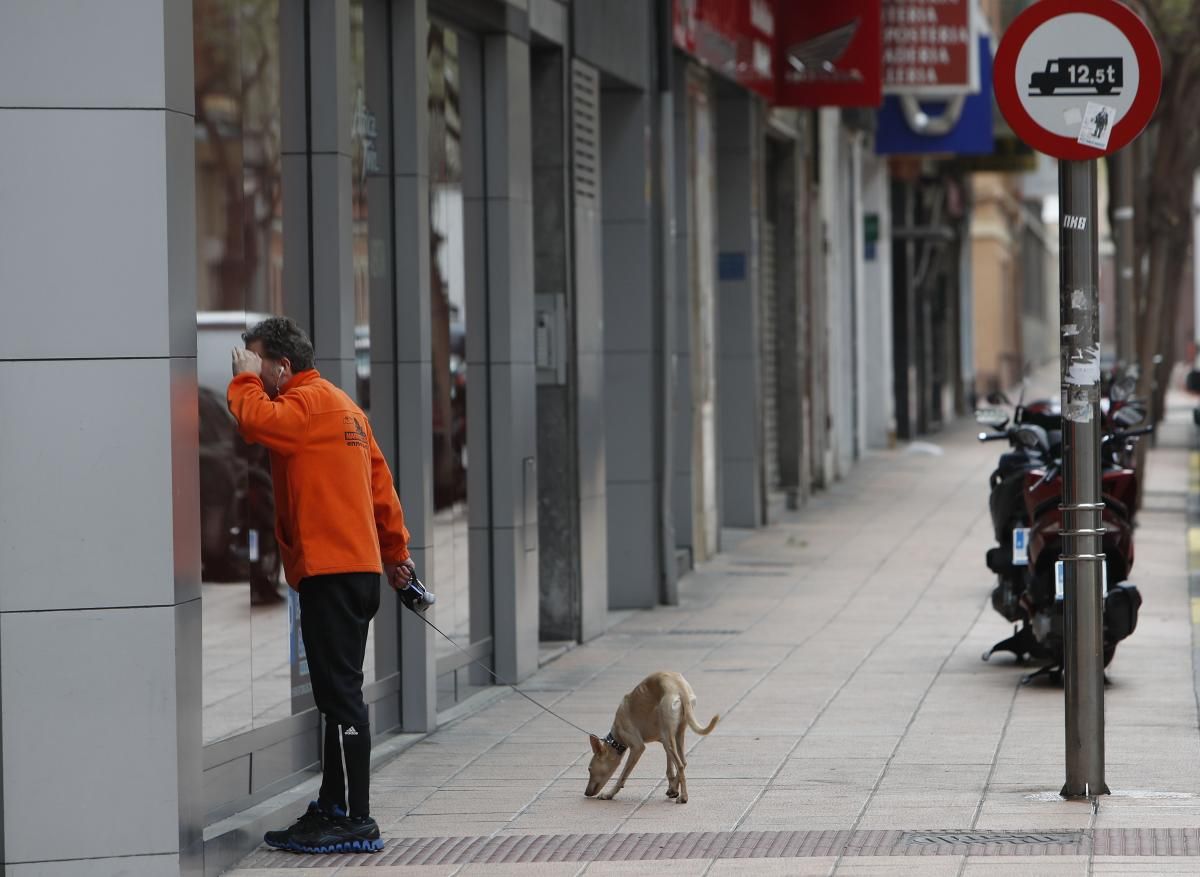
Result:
{"points": [[606, 796], [671, 793], [682, 799]]}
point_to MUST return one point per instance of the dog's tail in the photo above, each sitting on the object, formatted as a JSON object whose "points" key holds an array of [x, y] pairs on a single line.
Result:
{"points": [[694, 725]]}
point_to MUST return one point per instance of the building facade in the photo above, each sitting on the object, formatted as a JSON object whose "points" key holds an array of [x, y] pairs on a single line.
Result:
{"points": [[600, 302]]}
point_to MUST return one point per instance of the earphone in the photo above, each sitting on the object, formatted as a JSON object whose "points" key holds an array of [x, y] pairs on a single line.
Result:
{"points": [[279, 372]]}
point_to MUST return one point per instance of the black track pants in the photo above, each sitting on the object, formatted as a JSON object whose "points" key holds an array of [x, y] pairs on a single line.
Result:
{"points": [[335, 614]]}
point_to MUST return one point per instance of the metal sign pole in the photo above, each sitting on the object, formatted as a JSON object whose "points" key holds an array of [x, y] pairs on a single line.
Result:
{"points": [[1079, 309]]}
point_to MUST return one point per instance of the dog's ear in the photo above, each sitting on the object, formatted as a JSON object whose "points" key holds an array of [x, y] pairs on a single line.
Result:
{"points": [[597, 744]]}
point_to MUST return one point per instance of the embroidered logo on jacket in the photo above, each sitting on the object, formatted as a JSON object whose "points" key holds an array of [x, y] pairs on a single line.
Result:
{"points": [[356, 437]]}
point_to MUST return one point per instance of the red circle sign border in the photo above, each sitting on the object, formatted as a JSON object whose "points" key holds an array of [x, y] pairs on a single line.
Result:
{"points": [[1144, 102]]}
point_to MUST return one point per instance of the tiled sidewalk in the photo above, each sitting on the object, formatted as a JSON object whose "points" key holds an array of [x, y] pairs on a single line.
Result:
{"points": [[841, 648]]}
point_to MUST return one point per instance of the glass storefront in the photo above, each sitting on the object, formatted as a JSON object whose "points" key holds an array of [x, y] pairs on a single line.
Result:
{"points": [[364, 161], [254, 669], [254, 673], [454, 119], [239, 207]]}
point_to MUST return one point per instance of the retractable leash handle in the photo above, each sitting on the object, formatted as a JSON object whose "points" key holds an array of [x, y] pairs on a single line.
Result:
{"points": [[415, 597]]}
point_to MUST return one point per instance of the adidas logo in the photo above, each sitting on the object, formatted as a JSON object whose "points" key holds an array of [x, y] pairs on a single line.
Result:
{"points": [[350, 732]]}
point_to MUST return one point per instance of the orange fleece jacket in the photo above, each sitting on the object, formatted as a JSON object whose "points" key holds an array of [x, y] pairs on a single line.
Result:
{"points": [[336, 509]]}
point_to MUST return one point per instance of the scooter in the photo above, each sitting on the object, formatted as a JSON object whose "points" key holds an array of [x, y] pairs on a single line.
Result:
{"points": [[1034, 428], [1025, 500], [1040, 634]]}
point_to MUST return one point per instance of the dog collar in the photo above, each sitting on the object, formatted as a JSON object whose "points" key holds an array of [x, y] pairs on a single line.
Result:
{"points": [[612, 741]]}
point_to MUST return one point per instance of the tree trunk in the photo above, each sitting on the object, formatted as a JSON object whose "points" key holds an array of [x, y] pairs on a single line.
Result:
{"points": [[1148, 337]]}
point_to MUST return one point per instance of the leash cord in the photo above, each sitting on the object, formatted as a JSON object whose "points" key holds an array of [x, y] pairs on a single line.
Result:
{"points": [[493, 674]]}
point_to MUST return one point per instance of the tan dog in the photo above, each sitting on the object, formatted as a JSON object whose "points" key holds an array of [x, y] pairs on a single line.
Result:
{"points": [[659, 709]]}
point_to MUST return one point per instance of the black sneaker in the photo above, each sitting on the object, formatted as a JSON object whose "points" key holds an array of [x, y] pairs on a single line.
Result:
{"points": [[363, 832], [320, 831]]}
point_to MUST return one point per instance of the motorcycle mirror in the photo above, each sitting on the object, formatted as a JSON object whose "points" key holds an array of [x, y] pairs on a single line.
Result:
{"points": [[1129, 416], [1122, 389], [1033, 437], [992, 417]]}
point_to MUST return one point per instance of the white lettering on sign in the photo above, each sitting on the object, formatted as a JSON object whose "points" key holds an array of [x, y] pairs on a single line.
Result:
{"points": [[1075, 223], [930, 47], [913, 55], [943, 35]]}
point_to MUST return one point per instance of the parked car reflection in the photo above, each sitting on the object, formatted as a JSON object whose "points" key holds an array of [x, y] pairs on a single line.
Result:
{"points": [[237, 504]]}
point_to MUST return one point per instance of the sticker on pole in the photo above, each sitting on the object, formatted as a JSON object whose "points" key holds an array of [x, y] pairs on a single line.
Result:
{"points": [[1096, 127], [1077, 79]]}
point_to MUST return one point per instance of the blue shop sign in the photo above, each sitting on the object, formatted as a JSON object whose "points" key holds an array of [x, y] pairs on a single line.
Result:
{"points": [[971, 135]]}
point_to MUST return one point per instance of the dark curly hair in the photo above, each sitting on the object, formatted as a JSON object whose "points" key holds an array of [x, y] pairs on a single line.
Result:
{"points": [[281, 338]]}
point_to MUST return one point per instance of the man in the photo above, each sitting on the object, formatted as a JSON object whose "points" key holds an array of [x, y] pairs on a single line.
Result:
{"points": [[339, 525]]}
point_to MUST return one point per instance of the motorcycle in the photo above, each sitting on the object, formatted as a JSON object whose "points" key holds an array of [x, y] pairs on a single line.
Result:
{"points": [[1033, 428], [1025, 503]]}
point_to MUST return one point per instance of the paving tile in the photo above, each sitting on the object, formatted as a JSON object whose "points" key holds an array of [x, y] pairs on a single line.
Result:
{"points": [[677, 868], [1118, 866], [535, 869], [393, 871], [1026, 866], [817, 866], [899, 866]]}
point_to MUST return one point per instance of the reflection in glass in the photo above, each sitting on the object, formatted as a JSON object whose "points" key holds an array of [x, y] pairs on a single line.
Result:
{"points": [[221, 307], [263, 205], [239, 271], [364, 161], [448, 345]]}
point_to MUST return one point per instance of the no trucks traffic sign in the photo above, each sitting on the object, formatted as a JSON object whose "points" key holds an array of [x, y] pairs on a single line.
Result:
{"points": [[1077, 79]]}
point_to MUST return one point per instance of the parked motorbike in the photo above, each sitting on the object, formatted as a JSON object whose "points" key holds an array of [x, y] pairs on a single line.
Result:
{"points": [[1026, 510], [1028, 430]]}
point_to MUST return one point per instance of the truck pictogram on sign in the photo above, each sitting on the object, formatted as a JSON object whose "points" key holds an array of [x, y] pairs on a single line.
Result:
{"points": [[1078, 76]]}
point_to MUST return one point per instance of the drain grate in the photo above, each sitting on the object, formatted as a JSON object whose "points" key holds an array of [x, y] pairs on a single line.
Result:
{"points": [[989, 838]]}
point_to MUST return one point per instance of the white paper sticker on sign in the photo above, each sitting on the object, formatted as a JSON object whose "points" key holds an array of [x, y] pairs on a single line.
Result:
{"points": [[1059, 576], [1098, 121], [1020, 546]]}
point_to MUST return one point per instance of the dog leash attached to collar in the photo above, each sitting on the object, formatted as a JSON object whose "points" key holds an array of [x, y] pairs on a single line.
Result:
{"points": [[503, 681]]}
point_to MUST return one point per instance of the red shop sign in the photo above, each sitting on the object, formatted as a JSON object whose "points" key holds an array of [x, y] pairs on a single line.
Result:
{"points": [[930, 47], [829, 54], [736, 38]]}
